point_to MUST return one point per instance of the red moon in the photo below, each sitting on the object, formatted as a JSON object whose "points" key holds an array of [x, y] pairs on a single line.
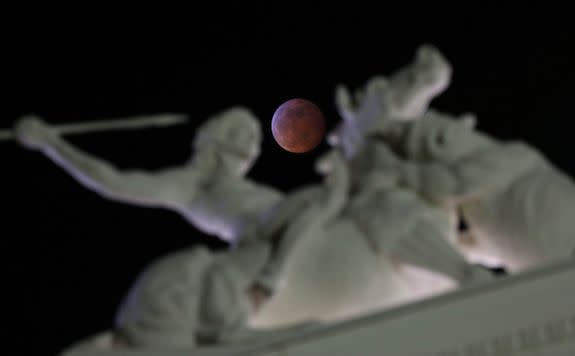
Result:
{"points": [[298, 125]]}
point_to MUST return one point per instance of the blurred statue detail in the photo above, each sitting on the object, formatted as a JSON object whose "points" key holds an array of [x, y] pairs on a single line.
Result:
{"points": [[379, 231]]}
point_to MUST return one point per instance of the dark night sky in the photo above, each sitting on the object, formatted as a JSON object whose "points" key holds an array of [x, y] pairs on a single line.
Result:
{"points": [[72, 255]]}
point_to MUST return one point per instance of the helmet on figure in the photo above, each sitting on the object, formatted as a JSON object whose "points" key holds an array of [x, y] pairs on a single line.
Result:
{"points": [[235, 136]]}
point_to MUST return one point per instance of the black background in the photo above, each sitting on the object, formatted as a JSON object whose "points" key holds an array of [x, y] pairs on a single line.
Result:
{"points": [[70, 255]]}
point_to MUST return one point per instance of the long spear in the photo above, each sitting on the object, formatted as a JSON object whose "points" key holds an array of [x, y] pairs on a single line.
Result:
{"points": [[137, 122]]}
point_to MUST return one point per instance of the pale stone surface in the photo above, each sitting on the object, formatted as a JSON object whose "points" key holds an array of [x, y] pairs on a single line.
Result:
{"points": [[380, 231], [493, 319], [519, 206]]}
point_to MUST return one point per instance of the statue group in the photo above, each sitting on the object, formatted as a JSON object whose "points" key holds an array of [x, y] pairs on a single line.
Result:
{"points": [[379, 231]]}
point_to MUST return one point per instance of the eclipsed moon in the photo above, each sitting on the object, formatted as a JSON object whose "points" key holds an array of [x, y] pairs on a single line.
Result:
{"points": [[298, 125]]}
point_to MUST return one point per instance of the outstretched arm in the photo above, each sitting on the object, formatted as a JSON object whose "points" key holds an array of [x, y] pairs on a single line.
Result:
{"points": [[160, 189]]}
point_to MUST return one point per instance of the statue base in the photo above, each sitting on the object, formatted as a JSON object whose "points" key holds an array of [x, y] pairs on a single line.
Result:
{"points": [[532, 313]]}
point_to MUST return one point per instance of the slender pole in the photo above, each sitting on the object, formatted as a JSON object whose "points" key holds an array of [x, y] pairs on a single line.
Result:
{"points": [[138, 122]]}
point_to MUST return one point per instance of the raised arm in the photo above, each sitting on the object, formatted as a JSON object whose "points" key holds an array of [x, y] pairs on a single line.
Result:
{"points": [[412, 88], [314, 207], [166, 188]]}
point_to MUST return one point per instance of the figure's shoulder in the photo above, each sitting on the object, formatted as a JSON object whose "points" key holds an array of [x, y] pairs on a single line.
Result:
{"points": [[240, 186]]}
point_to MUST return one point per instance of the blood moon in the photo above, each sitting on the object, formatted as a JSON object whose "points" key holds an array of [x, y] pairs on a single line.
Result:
{"points": [[298, 125]]}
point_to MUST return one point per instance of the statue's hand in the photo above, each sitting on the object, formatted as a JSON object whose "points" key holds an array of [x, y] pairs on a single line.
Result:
{"points": [[33, 133], [330, 161], [333, 167]]}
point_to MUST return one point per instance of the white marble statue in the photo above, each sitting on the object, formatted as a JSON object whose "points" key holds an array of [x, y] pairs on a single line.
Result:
{"points": [[518, 206], [212, 193], [381, 230], [330, 268]]}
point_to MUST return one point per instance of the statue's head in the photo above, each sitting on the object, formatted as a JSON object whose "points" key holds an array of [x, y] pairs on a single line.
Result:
{"points": [[403, 96], [435, 136], [234, 136]]}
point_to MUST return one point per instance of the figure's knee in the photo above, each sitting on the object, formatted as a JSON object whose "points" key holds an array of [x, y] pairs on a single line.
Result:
{"points": [[160, 308], [190, 299], [223, 307]]}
